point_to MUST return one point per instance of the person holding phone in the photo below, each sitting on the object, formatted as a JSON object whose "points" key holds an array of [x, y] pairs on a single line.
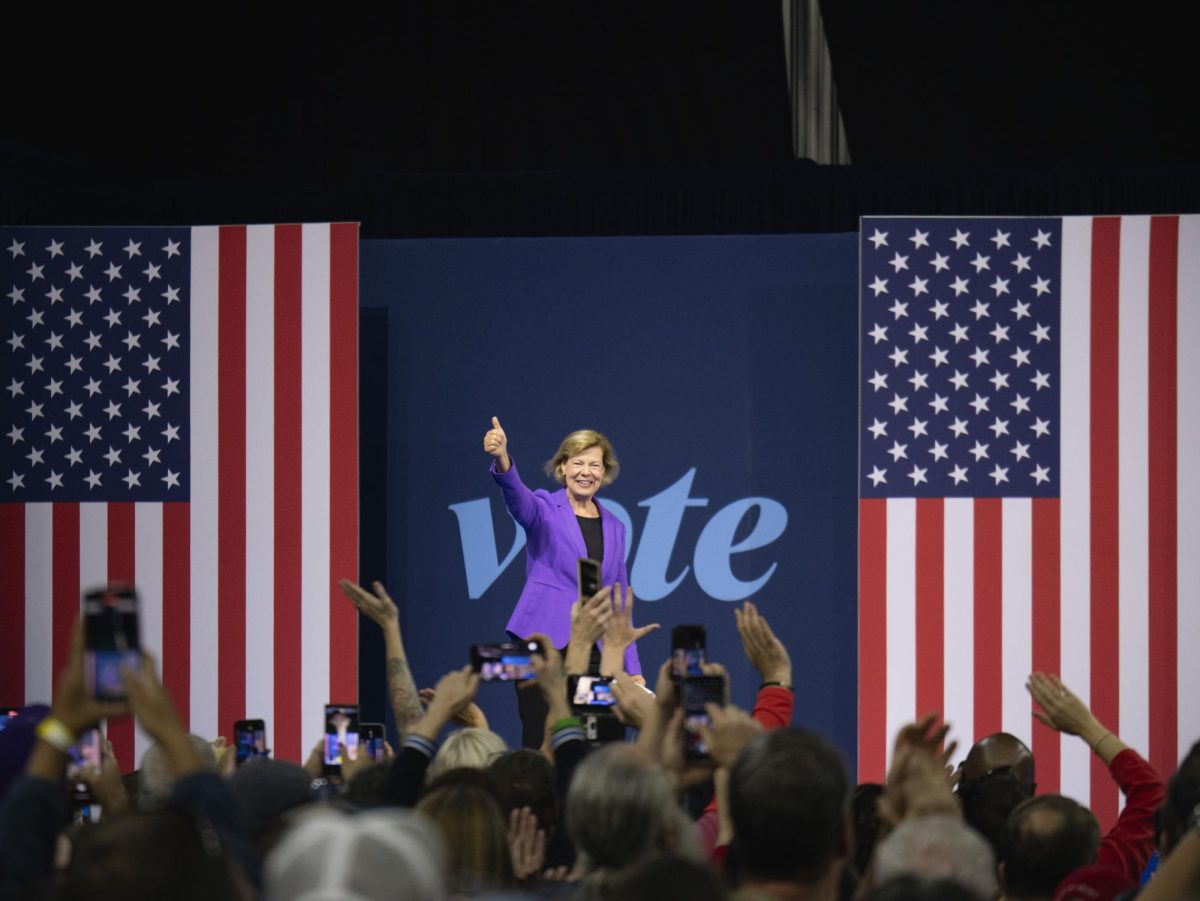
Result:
{"points": [[560, 528]]}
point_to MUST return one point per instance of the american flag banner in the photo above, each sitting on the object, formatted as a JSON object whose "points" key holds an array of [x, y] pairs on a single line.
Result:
{"points": [[1026, 414], [180, 412]]}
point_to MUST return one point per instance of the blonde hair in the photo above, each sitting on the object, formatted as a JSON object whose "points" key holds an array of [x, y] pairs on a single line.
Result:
{"points": [[577, 443], [470, 747]]}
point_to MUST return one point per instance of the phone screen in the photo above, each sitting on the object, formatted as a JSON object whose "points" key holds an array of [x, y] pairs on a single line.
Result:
{"points": [[370, 739], [111, 639], [507, 661], [250, 739], [687, 651], [341, 725], [6, 714], [85, 753], [592, 691], [697, 692]]}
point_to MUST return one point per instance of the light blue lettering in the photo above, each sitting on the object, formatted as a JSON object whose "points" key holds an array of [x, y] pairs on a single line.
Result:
{"points": [[716, 546], [665, 515], [479, 545]]}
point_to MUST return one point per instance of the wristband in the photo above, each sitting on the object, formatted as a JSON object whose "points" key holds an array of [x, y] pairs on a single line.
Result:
{"points": [[567, 722], [54, 733], [783, 685], [1096, 746]]}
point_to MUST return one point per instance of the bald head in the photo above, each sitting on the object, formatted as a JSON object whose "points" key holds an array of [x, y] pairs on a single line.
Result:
{"points": [[998, 751]]}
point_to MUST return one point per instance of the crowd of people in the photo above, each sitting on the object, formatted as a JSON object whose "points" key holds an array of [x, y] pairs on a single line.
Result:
{"points": [[769, 813]]}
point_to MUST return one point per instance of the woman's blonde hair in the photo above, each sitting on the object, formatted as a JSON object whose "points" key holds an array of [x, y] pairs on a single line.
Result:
{"points": [[470, 747], [578, 442]]}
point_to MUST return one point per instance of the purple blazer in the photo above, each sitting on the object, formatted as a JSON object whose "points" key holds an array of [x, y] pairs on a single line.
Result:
{"points": [[553, 546]]}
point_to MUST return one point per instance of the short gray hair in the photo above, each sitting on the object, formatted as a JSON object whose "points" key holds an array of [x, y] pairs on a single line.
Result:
{"points": [[156, 778], [619, 808], [938, 847]]}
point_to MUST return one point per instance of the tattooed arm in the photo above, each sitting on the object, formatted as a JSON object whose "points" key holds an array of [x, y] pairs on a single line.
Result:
{"points": [[402, 690]]}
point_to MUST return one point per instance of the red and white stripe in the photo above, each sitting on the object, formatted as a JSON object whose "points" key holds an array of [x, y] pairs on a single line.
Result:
{"points": [[960, 599], [238, 586]]}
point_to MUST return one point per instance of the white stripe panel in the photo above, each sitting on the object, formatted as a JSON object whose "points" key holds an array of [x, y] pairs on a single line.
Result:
{"points": [[314, 435], [1075, 578], [148, 569], [1016, 624], [93, 559], [901, 616], [203, 613], [93, 546], [958, 652], [1188, 413], [39, 603], [260, 476], [1133, 450]]}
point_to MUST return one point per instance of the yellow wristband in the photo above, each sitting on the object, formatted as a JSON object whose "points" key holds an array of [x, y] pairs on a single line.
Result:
{"points": [[54, 733]]}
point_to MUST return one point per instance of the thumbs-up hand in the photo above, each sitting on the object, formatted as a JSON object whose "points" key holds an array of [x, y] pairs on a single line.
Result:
{"points": [[495, 442]]}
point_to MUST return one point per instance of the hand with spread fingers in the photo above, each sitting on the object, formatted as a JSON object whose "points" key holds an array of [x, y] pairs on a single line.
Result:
{"points": [[916, 780], [620, 632]]}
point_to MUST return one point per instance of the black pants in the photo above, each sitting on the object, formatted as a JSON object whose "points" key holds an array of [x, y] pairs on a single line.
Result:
{"points": [[532, 707]]}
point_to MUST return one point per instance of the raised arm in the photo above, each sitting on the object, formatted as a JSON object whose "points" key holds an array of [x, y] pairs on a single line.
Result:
{"points": [[402, 690], [1128, 845]]}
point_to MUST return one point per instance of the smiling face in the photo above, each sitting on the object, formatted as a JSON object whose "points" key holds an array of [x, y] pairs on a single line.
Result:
{"points": [[583, 473]]}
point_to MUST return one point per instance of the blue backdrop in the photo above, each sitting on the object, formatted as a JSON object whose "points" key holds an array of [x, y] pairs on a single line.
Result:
{"points": [[722, 368]]}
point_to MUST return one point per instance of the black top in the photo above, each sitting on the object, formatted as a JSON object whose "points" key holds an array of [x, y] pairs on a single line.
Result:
{"points": [[593, 535]]}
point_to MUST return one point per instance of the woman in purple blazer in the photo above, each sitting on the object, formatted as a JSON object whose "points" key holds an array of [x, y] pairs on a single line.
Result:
{"points": [[559, 529]]}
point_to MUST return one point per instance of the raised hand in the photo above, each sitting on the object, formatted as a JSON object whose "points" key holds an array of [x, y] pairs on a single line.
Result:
{"points": [[620, 631], [635, 705], [1063, 711], [764, 650], [495, 442], [526, 842], [551, 679], [732, 729], [589, 618], [471, 716], [1061, 708], [377, 607]]}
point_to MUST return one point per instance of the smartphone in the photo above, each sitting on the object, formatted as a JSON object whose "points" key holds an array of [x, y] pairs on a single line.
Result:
{"points": [[110, 617], [589, 577], [687, 651], [370, 739], [591, 694], [84, 753], [249, 739], [341, 725], [698, 691], [8, 713], [507, 661]]}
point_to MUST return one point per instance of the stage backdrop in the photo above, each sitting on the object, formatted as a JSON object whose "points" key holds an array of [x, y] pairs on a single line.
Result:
{"points": [[724, 371]]}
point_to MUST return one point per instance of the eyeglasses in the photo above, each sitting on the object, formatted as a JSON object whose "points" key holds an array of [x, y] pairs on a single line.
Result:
{"points": [[580, 466]]}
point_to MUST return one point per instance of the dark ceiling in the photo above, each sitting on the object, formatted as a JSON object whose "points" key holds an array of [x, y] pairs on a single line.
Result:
{"points": [[571, 117]]}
